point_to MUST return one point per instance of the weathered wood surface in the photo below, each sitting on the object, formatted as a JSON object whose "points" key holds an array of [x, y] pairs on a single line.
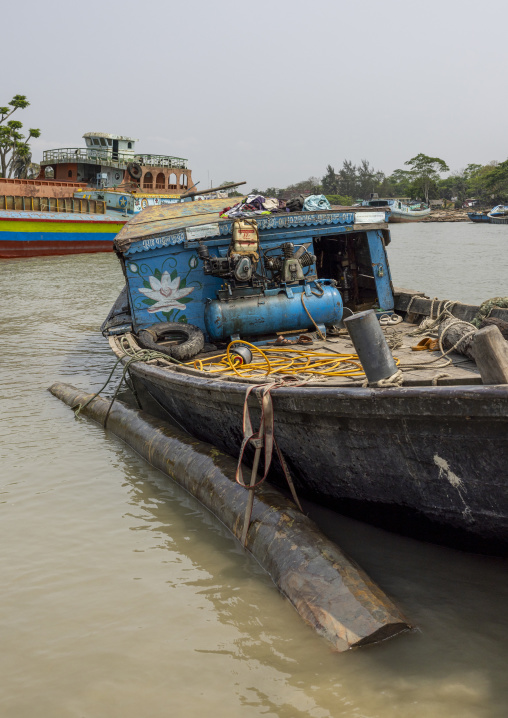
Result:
{"points": [[327, 589], [499, 323], [490, 351], [422, 306], [458, 336]]}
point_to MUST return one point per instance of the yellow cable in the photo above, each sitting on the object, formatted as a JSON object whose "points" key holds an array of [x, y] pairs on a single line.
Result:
{"points": [[278, 360]]}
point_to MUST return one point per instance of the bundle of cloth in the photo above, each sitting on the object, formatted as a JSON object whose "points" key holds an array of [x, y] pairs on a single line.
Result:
{"points": [[258, 205]]}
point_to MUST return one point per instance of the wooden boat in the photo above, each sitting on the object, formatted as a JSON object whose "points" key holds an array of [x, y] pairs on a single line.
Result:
{"points": [[497, 215], [428, 458], [482, 217], [25, 233], [400, 211], [107, 173]]}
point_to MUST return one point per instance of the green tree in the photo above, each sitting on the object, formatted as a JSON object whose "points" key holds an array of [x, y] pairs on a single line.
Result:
{"points": [[14, 148], [330, 182], [368, 180], [401, 182], [340, 200], [426, 171]]}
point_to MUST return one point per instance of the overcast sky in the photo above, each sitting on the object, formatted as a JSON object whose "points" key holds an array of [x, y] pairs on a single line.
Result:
{"points": [[269, 92]]}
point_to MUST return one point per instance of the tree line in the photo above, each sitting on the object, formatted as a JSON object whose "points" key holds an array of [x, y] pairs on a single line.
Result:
{"points": [[420, 180]]}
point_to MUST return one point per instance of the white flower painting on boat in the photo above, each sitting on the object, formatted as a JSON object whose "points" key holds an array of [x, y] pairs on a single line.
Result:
{"points": [[166, 293]]}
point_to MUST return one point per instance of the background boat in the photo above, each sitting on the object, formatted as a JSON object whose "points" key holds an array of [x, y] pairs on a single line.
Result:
{"points": [[83, 196], [400, 211], [32, 234]]}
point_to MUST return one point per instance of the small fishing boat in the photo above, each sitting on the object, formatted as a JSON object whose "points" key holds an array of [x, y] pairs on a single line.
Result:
{"points": [[478, 217], [221, 313], [400, 211], [497, 215]]}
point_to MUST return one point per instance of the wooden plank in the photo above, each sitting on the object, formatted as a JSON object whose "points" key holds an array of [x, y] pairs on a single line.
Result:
{"points": [[490, 351], [368, 227]]}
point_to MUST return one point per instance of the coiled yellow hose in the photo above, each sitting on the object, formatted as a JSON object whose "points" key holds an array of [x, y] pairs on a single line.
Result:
{"points": [[277, 360]]}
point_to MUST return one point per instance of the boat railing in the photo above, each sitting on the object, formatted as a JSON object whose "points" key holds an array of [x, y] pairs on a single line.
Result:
{"points": [[109, 157], [162, 161], [53, 204]]}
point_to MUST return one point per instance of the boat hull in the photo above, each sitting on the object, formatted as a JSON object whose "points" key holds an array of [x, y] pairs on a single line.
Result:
{"points": [[398, 217], [427, 461], [33, 234], [478, 217]]}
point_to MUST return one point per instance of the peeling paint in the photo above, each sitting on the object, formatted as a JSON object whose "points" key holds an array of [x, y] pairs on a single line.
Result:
{"points": [[444, 470]]}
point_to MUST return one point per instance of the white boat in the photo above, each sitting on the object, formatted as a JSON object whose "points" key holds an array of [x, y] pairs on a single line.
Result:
{"points": [[400, 211]]}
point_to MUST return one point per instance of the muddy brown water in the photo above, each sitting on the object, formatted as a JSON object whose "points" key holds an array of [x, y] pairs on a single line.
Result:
{"points": [[121, 597]]}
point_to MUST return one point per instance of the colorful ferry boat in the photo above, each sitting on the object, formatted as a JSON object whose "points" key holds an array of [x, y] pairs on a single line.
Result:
{"points": [[34, 234], [83, 196]]}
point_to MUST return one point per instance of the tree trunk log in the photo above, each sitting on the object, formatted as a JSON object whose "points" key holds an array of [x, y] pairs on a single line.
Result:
{"points": [[327, 588], [454, 334]]}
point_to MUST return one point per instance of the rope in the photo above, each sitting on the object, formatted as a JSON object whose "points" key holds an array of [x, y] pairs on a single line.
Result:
{"points": [[394, 339], [143, 355], [443, 375], [396, 379], [321, 335], [428, 324]]}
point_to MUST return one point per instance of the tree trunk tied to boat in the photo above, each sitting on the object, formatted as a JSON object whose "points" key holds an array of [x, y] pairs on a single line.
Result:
{"points": [[328, 590]]}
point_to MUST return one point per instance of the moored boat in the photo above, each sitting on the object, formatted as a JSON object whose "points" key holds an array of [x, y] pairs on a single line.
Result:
{"points": [[107, 173], [497, 215], [427, 457], [478, 217], [400, 211], [35, 234]]}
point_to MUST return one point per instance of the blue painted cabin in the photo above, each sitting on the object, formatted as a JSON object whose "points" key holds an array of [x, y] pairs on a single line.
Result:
{"points": [[166, 281]]}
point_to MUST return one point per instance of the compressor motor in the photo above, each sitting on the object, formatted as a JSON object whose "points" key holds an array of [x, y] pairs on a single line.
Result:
{"points": [[266, 291]]}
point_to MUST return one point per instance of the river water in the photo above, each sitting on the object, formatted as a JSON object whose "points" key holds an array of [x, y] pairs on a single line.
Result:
{"points": [[122, 597]]}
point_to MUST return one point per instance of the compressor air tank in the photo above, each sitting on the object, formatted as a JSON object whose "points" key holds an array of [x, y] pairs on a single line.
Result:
{"points": [[274, 310]]}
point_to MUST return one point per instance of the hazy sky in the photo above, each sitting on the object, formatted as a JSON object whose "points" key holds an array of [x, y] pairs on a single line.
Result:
{"points": [[269, 92]]}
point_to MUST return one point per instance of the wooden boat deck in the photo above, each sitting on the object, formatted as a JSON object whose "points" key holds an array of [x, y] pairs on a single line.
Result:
{"points": [[420, 368]]}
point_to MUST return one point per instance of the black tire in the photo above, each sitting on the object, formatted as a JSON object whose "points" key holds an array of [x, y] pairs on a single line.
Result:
{"points": [[191, 339], [134, 170]]}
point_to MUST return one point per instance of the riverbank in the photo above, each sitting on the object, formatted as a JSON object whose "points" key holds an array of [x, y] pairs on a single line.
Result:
{"points": [[448, 215]]}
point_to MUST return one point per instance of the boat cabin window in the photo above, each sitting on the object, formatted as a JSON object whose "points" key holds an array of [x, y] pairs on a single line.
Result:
{"points": [[96, 141], [103, 142], [129, 145], [110, 141]]}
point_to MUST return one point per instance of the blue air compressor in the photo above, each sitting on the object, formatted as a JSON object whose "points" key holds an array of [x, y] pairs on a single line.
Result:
{"points": [[266, 291]]}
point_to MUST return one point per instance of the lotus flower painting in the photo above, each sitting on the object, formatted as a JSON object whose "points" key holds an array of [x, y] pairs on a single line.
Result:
{"points": [[166, 293]]}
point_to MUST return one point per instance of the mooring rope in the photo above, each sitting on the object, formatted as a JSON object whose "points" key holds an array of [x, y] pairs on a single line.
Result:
{"points": [[141, 355]]}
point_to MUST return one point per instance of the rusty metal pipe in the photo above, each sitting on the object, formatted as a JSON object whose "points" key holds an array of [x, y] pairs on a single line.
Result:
{"points": [[329, 591]]}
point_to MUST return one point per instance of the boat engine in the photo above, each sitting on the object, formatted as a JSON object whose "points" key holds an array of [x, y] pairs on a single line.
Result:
{"points": [[266, 291]]}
